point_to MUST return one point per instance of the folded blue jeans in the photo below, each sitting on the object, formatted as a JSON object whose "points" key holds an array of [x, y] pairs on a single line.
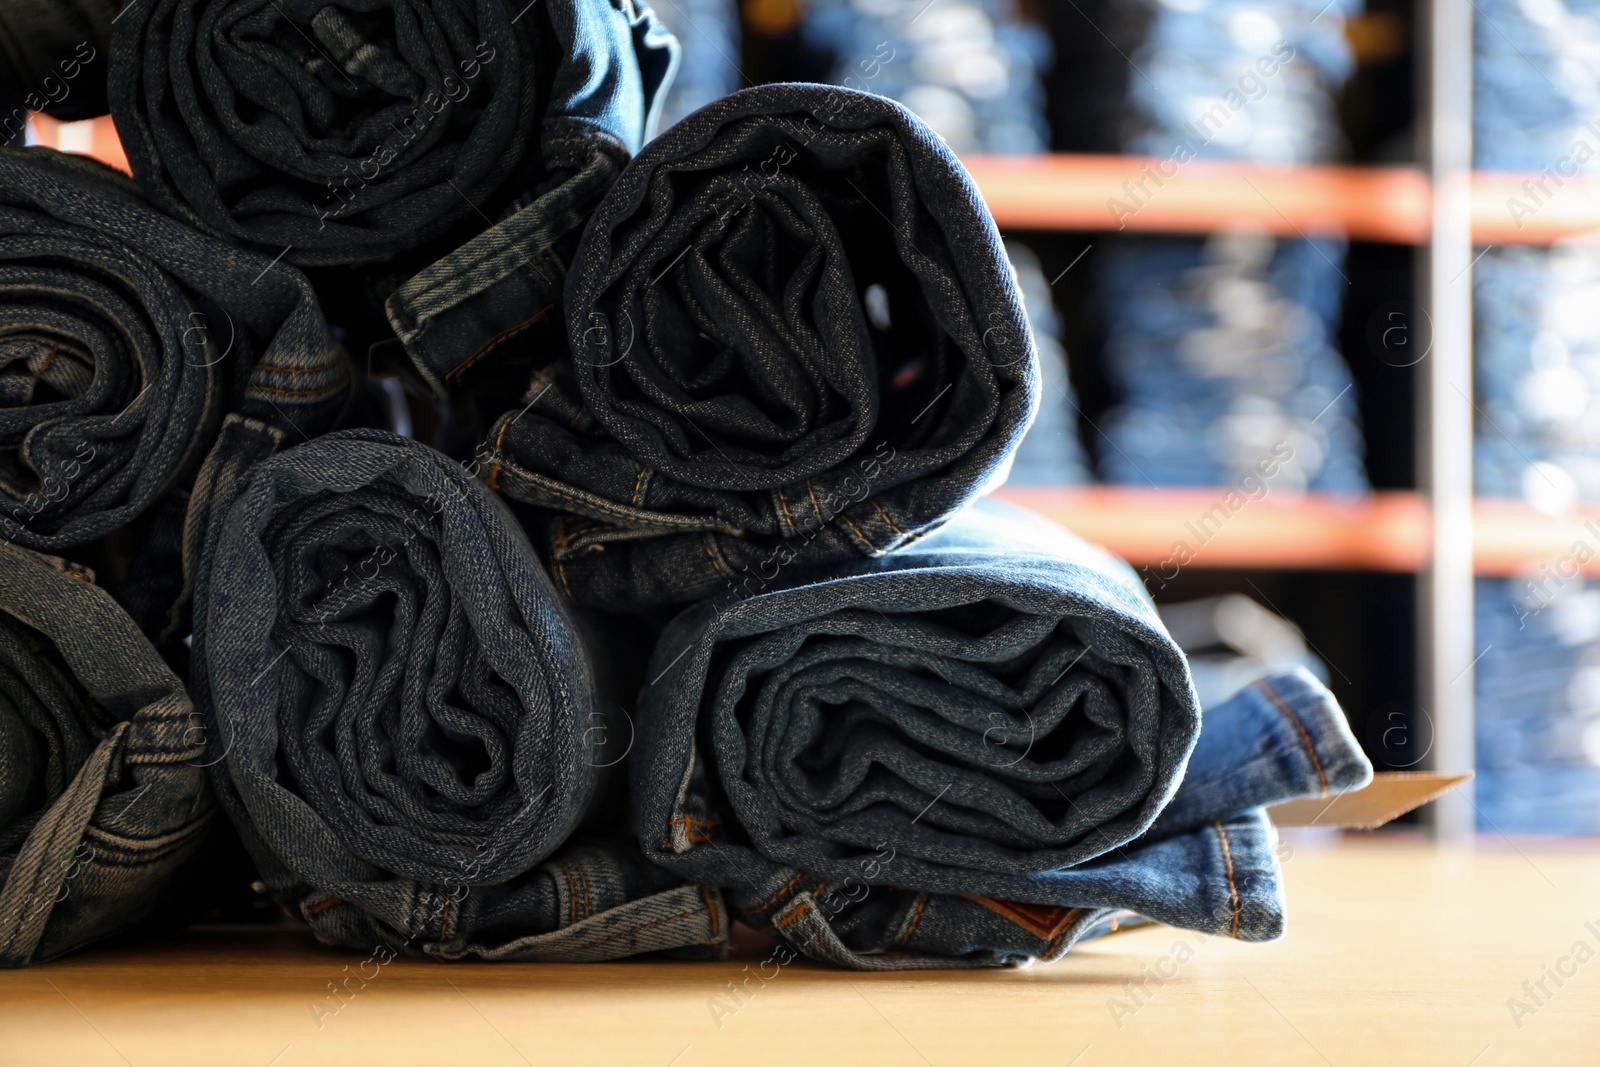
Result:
{"points": [[400, 712], [1209, 863], [795, 340], [102, 792], [996, 701]]}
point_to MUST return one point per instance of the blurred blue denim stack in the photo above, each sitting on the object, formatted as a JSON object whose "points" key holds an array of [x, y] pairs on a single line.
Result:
{"points": [[708, 33], [1536, 104], [1222, 350], [972, 70]]}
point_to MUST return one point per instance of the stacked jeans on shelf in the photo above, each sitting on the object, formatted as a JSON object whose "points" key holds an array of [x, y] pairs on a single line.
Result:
{"points": [[777, 359], [972, 71], [1229, 341], [1537, 392]]}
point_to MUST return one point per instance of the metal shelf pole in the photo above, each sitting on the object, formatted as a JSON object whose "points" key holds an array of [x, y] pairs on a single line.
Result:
{"points": [[1445, 409]]}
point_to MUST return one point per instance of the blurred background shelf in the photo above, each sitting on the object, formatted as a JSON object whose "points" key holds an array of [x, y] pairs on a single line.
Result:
{"points": [[1075, 191], [1387, 204], [1386, 531]]}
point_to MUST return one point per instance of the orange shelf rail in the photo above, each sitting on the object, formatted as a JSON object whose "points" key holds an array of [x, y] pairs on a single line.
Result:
{"points": [[1168, 530], [1387, 204], [1153, 195]]}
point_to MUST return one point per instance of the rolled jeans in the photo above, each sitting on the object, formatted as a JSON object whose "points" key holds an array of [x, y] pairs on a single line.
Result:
{"points": [[141, 363], [400, 715], [102, 792], [795, 340], [994, 701], [1210, 863]]}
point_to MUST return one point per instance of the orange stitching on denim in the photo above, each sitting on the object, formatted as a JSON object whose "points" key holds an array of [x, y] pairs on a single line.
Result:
{"points": [[495, 342], [572, 894], [787, 518], [561, 565], [822, 885], [794, 916], [916, 917], [583, 878], [779, 894], [638, 486], [898, 532], [872, 549], [325, 905], [51, 358], [297, 392], [444, 919], [1305, 736], [1055, 942], [1233, 890], [711, 909], [716, 564], [695, 830], [815, 507]]}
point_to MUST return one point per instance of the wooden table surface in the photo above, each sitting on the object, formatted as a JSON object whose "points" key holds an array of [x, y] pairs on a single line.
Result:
{"points": [[1396, 953]]}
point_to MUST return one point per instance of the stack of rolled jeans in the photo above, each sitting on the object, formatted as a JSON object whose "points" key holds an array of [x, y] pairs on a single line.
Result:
{"points": [[1537, 385], [972, 71], [890, 723], [1229, 342]]}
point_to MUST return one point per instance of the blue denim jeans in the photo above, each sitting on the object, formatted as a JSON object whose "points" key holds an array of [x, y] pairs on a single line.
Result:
{"points": [[102, 796], [141, 362], [1209, 863], [989, 730], [335, 135], [400, 712], [795, 340]]}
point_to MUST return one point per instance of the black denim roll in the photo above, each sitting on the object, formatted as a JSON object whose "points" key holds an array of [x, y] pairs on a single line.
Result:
{"points": [[345, 134], [795, 340], [127, 342]]}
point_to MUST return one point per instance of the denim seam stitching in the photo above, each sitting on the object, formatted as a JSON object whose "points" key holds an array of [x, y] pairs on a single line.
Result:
{"points": [[1305, 736], [1233, 888], [583, 880], [916, 917], [495, 342]]}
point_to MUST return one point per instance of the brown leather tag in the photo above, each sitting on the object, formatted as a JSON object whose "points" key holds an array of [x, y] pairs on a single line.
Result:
{"points": [[1044, 921]]}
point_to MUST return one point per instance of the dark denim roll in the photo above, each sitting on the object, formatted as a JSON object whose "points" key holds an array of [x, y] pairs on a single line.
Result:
{"points": [[400, 712], [102, 796], [345, 134], [795, 340], [1210, 862], [996, 701], [127, 337]]}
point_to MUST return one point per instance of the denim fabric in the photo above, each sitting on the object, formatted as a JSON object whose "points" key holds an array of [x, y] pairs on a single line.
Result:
{"points": [[102, 797], [127, 338], [795, 340], [52, 59], [400, 712], [993, 703], [344, 135], [1209, 863], [595, 899]]}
